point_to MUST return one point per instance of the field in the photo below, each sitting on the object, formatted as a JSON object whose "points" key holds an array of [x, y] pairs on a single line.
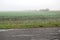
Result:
{"points": [[29, 19]]}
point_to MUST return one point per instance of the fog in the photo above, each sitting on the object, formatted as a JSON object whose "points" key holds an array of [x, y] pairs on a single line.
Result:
{"points": [[18, 5]]}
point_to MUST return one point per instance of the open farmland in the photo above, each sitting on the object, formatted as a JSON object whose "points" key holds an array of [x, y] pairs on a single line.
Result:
{"points": [[31, 13], [29, 19]]}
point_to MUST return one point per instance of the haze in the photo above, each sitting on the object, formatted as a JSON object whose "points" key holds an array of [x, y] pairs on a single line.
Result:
{"points": [[18, 5]]}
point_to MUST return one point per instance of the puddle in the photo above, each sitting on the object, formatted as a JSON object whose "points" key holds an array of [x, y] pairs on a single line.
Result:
{"points": [[1, 30]]}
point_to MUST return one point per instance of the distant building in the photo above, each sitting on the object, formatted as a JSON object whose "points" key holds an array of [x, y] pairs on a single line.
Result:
{"points": [[44, 9]]}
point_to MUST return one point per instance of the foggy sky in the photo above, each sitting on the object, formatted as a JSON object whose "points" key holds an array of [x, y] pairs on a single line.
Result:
{"points": [[17, 5]]}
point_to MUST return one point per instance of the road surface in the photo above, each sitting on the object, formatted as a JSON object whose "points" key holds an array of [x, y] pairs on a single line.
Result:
{"points": [[30, 34]]}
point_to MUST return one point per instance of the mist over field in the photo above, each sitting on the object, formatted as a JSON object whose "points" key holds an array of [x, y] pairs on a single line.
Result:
{"points": [[29, 19], [29, 13], [21, 5]]}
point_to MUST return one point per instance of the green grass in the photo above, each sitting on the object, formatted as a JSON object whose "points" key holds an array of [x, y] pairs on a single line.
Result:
{"points": [[35, 24], [31, 19], [31, 13]]}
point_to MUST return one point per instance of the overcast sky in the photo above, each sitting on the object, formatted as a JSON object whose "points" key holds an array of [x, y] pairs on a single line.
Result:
{"points": [[13, 5]]}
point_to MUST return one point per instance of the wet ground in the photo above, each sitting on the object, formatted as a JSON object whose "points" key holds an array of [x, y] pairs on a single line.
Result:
{"points": [[30, 34]]}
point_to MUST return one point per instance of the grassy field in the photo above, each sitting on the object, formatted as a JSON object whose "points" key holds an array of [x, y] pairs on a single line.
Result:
{"points": [[30, 19], [31, 13]]}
